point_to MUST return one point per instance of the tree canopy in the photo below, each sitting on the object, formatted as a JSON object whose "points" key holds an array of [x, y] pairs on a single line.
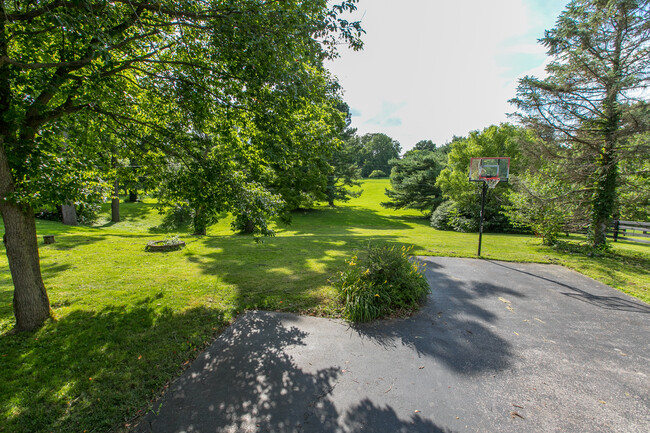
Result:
{"points": [[376, 151], [215, 86], [413, 178], [494, 141]]}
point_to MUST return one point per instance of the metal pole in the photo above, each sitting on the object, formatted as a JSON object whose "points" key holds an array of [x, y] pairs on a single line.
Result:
{"points": [[480, 227]]}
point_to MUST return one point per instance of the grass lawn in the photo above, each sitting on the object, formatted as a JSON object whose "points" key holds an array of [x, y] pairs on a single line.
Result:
{"points": [[129, 321]]}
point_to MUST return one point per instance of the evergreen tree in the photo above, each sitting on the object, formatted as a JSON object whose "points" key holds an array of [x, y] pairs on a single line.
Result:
{"points": [[589, 103], [413, 179]]}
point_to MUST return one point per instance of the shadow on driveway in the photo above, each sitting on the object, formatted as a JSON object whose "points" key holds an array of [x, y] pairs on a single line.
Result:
{"points": [[249, 382], [497, 347], [617, 303]]}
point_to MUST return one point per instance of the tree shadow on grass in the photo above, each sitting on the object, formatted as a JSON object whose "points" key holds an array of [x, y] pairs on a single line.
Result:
{"points": [[129, 211], [91, 370], [340, 221], [69, 241], [284, 273], [247, 381]]}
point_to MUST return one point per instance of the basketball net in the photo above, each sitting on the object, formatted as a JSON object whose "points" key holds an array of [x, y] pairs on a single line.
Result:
{"points": [[491, 181]]}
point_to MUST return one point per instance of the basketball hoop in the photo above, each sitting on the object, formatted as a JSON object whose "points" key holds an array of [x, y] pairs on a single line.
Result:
{"points": [[491, 181], [490, 171]]}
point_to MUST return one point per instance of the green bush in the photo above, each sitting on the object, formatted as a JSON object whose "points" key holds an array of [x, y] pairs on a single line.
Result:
{"points": [[382, 282], [376, 174], [449, 216], [442, 215], [545, 204]]}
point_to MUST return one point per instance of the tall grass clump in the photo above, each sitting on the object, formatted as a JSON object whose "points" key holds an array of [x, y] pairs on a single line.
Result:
{"points": [[381, 282]]}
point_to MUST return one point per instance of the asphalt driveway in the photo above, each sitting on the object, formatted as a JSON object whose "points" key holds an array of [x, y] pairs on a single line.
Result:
{"points": [[499, 347]]}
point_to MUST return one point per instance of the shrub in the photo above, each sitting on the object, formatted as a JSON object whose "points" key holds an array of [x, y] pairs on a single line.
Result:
{"points": [[442, 215], [87, 213], [461, 222], [545, 204], [49, 214], [376, 174], [382, 282], [176, 217]]}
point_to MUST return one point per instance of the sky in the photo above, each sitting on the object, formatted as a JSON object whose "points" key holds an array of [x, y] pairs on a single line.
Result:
{"points": [[432, 69]]}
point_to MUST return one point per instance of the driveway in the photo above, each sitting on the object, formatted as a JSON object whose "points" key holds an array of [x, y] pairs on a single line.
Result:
{"points": [[498, 347]]}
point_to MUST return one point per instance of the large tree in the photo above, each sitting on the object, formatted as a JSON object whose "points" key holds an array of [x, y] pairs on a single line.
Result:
{"points": [[589, 105], [494, 141], [413, 178], [376, 151], [156, 69], [345, 172]]}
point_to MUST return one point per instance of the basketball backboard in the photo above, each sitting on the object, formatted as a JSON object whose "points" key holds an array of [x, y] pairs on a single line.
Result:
{"points": [[482, 169]]}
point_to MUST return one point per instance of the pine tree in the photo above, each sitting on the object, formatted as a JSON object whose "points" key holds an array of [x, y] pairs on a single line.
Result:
{"points": [[591, 102]]}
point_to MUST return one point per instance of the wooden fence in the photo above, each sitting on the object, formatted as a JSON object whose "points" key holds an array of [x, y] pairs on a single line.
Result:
{"points": [[634, 231]]}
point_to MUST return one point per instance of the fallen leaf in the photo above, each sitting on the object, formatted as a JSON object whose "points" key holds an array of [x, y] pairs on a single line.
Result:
{"points": [[417, 411], [516, 405], [516, 333], [602, 402], [421, 367], [514, 415], [504, 300]]}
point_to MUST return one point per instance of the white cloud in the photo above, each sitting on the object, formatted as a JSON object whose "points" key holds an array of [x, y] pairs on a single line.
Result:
{"points": [[432, 69]]}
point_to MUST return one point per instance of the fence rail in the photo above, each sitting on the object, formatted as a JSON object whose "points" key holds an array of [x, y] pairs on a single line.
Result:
{"points": [[634, 231]]}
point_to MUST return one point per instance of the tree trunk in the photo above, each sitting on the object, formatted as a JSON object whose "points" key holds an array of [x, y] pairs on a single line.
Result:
{"points": [[330, 190], [133, 196], [603, 199], [115, 203], [69, 214], [31, 304], [199, 222], [248, 228]]}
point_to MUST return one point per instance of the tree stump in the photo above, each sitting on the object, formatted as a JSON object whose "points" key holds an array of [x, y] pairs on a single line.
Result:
{"points": [[48, 239]]}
